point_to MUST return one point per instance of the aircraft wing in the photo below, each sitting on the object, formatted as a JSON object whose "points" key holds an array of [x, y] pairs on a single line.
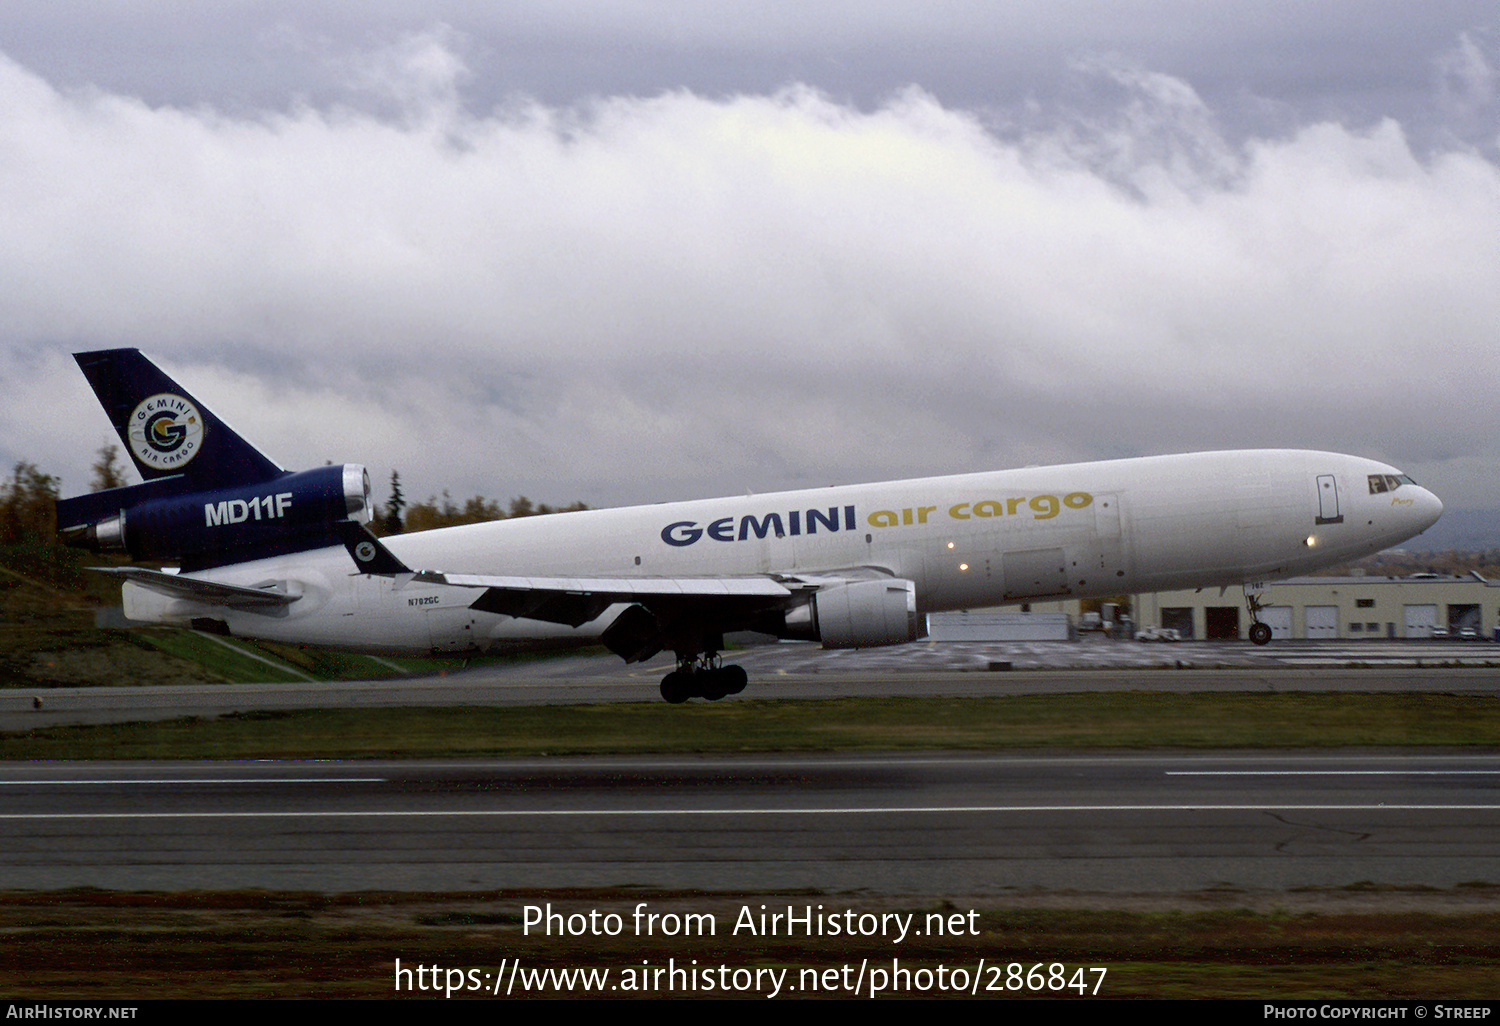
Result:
{"points": [[853, 608], [175, 586], [567, 600], [576, 601]]}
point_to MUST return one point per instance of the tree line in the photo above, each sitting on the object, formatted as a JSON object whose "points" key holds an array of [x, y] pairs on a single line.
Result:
{"points": [[28, 513], [397, 517]]}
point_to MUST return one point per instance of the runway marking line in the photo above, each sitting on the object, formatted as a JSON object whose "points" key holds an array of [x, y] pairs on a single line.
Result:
{"points": [[913, 810], [1332, 773], [195, 780]]}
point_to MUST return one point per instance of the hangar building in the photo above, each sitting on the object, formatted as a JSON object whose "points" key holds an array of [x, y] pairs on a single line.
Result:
{"points": [[1329, 608], [1308, 608]]}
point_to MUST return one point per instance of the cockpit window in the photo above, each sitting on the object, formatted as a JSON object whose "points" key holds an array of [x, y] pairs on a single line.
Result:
{"points": [[1388, 482]]}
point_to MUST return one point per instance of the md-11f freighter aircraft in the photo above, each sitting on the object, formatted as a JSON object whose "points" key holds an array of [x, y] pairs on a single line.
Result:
{"points": [[268, 553]]}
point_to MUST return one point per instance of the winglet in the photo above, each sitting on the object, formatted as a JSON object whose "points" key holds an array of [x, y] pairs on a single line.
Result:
{"points": [[369, 555]]}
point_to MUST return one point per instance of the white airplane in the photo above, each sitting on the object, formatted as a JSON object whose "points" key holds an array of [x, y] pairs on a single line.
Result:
{"points": [[280, 555]]}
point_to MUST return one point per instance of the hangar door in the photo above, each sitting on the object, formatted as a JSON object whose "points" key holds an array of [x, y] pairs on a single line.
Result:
{"points": [[1221, 622], [1279, 619], [1420, 620], [1179, 619], [1322, 622]]}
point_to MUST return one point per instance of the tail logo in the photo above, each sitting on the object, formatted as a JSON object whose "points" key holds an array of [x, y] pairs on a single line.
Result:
{"points": [[165, 432]]}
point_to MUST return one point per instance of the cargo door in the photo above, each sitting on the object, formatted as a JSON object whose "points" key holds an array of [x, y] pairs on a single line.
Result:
{"points": [[1035, 573]]}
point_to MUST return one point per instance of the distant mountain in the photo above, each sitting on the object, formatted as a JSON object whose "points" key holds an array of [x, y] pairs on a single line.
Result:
{"points": [[1466, 530]]}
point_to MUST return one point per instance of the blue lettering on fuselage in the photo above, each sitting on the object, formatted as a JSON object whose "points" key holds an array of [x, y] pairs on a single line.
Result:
{"points": [[725, 529]]}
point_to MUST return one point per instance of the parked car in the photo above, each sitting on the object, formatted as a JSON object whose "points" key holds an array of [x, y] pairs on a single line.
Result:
{"points": [[1158, 634]]}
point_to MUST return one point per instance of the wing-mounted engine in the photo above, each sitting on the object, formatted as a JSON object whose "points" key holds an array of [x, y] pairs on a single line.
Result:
{"points": [[171, 520], [858, 614]]}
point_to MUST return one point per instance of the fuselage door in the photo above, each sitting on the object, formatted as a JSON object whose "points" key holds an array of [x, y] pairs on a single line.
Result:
{"points": [[1036, 573], [451, 629], [1328, 500]]}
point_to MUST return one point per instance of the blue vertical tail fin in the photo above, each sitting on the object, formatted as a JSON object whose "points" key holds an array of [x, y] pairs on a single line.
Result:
{"points": [[209, 497], [166, 431]]}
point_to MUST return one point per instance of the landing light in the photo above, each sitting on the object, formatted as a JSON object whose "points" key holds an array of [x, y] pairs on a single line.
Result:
{"points": [[1310, 540], [963, 566]]}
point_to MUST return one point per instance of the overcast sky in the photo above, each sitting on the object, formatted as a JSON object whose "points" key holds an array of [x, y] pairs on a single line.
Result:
{"points": [[625, 252]]}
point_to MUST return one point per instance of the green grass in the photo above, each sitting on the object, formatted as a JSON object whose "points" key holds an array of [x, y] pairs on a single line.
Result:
{"points": [[1114, 720], [224, 659]]}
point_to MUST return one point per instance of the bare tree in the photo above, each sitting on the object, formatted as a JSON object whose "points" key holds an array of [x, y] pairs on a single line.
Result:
{"points": [[109, 472]]}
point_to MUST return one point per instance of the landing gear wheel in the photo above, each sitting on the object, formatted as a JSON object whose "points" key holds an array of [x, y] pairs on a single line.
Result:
{"points": [[735, 679], [677, 687], [711, 684], [702, 678], [1260, 632]]}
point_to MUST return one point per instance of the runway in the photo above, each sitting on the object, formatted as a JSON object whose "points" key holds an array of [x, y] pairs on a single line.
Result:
{"points": [[936, 824], [912, 824]]}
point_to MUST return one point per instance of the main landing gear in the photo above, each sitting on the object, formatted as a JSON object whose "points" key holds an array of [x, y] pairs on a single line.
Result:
{"points": [[1260, 632], [702, 677]]}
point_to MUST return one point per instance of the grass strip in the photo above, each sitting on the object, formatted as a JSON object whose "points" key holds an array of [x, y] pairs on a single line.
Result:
{"points": [[1114, 720]]}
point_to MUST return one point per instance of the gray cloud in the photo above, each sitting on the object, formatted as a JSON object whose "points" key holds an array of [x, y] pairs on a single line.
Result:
{"points": [[629, 298]]}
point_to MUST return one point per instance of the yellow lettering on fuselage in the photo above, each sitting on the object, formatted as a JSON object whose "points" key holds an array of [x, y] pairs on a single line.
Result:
{"points": [[1041, 507]]}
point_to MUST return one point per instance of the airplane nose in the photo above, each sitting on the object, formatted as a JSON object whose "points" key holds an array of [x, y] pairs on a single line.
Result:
{"points": [[1429, 508]]}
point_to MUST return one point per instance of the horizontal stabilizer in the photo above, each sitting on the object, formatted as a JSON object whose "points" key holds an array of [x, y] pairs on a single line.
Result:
{"points": [[209, 592]]}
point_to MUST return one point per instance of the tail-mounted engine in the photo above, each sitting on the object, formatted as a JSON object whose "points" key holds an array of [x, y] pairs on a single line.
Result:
{"points": [[161, 520]]}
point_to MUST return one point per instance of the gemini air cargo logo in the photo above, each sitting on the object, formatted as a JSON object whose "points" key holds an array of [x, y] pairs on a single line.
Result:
{"points": [[165, 432], [797, 522]]}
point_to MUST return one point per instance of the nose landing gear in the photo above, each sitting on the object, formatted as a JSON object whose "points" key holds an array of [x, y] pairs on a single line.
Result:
{"points": [[1260, 632]]}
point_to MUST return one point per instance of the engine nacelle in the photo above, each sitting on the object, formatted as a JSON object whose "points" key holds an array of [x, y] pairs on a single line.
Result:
{"points": [[860, 614], [153, 521]]}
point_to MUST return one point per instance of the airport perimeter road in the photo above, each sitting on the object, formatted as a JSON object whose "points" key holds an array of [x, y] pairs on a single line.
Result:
{"points": [[909, 824]]}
